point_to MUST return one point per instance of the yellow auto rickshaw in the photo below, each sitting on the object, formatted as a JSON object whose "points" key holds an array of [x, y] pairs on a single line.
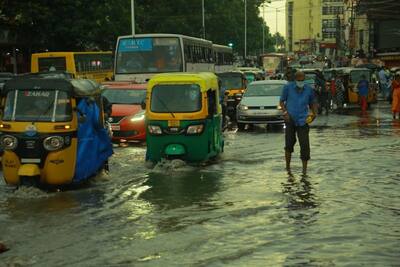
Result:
{"points": [[352, 77], [184, 117], [52, 130], [233, 84]]}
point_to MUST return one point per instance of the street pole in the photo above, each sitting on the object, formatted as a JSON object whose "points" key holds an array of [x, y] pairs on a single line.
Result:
{"points": [[276, 28], [245, 30], [133, 16], [263, 29], [203, 25]]}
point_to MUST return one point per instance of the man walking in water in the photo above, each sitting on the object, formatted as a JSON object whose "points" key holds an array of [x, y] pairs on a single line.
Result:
{"points": [[295, 102]]}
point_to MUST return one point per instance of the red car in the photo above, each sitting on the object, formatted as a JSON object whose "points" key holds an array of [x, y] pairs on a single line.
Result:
{"points": [[127, 117]]}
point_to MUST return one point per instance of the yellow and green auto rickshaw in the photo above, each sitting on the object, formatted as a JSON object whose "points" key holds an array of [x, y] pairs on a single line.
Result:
{"points": [[233, 84], [184, 117], [52, 130], [352, 77]]}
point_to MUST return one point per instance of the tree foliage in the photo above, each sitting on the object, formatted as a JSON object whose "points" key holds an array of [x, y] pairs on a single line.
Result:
{"points": [[95, 24]]}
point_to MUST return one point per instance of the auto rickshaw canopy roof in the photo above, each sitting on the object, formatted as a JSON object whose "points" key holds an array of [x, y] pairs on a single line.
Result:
{"points": [[206, 80], [235, 73], [75, 87]]}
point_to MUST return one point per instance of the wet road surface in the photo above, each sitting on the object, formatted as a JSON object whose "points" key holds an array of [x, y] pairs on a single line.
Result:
{"points": [[242, 211]]}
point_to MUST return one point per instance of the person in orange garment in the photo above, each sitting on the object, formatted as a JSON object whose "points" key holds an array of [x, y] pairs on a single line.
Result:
{"points": [[396, 96]]}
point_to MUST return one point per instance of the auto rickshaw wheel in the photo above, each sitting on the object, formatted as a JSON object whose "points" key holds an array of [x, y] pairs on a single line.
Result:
{"points": [[30, 181], [241, 126]]}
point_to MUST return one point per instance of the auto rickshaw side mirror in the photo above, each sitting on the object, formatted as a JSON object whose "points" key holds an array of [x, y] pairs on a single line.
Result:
{"points": [[143, 105]]}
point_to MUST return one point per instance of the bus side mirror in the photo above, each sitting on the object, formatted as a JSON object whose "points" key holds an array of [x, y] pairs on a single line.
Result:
{"points": [[143, 105]]}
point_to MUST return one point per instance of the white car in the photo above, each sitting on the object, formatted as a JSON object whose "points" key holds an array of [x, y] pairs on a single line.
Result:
{"points": [[260, 103]]}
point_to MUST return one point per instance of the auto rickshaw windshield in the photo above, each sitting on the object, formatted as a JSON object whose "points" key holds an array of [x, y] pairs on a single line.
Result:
{"points": [[355, 75], [37, 105], [177, 98], [231, 82]]}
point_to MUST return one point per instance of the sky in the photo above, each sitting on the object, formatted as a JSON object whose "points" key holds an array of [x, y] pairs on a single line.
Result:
{"points": [[277, 7]]}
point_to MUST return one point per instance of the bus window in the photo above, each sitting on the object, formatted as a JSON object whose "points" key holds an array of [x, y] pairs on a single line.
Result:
{"points": [[55, 63]]}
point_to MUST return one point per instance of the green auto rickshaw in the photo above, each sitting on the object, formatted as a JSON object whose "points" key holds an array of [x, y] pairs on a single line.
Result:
{"points": [[184, 117]]}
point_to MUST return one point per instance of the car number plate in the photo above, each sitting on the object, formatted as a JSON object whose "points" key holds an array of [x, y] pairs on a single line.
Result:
{"points": [[115, 127]]}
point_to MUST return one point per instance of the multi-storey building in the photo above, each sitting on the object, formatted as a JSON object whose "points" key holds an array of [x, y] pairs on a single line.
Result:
{"points": [[314, 26]]}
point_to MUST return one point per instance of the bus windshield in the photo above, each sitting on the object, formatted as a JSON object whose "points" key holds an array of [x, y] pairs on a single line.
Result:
{"points": [[125, 96], [37, 105], [149, 55], [176, 98], [271, 63]]}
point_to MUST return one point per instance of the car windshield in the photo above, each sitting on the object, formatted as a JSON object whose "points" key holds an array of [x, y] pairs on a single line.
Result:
{"points": [[231, 82], [176, 98], [356, 75], [149, 55], [264, 90], [37, 105], [124, 96]]}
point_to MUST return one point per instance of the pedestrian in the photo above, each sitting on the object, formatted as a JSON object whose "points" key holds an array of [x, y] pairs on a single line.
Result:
{"points": [[396, 96], [384, 83], [295, 101], [320, 91], [362, 87], [340, 92]]}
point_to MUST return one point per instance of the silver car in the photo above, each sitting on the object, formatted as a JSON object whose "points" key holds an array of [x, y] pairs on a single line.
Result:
{"points": [[260, 103]]}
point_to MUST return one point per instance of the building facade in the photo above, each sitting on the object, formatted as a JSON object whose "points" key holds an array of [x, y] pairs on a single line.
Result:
{"points": [[314, 26]]}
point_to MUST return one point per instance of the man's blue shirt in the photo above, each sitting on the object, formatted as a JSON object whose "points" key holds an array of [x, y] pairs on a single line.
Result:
{"points": [[297, 102]]}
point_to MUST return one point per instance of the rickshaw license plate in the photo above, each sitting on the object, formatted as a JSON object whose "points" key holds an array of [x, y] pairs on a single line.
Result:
{"points": [[173, 123], [115, 127]]}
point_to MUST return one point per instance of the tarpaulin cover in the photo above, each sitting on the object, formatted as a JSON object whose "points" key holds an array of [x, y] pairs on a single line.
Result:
{"points": [[94, 144]]}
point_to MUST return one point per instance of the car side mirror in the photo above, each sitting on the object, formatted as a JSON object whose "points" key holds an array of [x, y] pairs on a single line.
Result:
{"points": [[143, 105]]}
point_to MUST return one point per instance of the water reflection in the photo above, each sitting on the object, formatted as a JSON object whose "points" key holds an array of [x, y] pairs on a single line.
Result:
{"points": [[300, 193], [181, 189], [183, 199]]}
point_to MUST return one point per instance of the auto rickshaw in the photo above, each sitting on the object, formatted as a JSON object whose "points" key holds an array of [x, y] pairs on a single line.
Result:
{"points": [[52, 131], [233, 84], [184, 119], [352, 77]]}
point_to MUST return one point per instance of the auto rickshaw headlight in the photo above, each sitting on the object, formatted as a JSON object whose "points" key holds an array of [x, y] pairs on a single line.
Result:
{"points": [[9, 142], [53, 143], [155, 129], [195, 129]]}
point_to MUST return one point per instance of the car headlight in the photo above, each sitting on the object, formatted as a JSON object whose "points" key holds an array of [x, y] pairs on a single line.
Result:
{"points": [[9, 142], [53, 143], [138, 117], [243, 107], [155, 129], [278, 107], [195, 129]]}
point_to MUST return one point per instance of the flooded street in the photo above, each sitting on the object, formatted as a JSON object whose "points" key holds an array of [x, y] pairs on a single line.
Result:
{"points": [[241, 211]]}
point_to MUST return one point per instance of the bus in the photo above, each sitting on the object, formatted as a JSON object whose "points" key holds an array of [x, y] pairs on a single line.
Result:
{"points": [[89, 65], [273, 63], [223, 58], [139, 57]]}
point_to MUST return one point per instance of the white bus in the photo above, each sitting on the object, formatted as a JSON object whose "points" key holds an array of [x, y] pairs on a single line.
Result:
{"points": [[139, 57], [223, 58]]}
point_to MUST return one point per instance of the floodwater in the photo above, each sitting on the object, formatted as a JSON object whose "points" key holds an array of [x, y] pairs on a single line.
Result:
{"points": [[242, 211]]}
